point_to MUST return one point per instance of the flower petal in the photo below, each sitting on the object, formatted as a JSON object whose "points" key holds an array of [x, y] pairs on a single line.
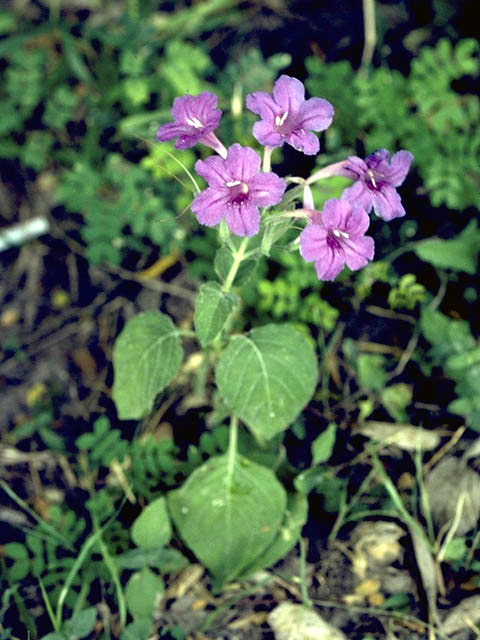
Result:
{"points": [[210, 206], [207, 110], [266, 189], [288, 93], [304, 141], [378, 161], [358, 251], [330, 264], [171, 130], [399, 167], [335, 213], [387, 203], [315, 114], [243, 219], [264, 132], [202, 107], [359, 195], [313, 242], [262, 103], [357, 222], [356, 167], [242, 163], [213, 170]]}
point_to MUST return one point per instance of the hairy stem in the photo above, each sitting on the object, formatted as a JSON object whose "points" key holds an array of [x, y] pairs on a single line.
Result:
{"points": [[237, 261]]}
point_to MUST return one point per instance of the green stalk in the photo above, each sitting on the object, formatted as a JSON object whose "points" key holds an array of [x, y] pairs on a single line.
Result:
{"points": [[267, 159], [303, 574], [73, 572], [397, 501], [122, 610], [237, 261], [48, 606]]}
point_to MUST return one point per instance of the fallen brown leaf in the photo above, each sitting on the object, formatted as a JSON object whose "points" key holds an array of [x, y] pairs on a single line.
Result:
{"points": [[294, 622]]}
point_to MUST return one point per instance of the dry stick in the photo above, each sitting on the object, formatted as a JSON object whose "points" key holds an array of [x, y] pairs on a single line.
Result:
{"points": [[445, 449]]}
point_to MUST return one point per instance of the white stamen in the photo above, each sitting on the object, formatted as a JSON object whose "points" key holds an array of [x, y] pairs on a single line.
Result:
{"points": [[194, 122], [279, 120], [233, 183], [372, 178], [340, 234], [244, 188]]}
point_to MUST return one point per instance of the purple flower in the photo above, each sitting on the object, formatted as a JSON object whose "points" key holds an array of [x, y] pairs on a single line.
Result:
{"points": [[235, 190], [288, 117], [336, 237], [376, 180], [195, 119]]}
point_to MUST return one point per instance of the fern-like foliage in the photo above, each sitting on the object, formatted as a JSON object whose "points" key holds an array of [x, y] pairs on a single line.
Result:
{"points": [[422, 113], [294, 294], [120, 195]]}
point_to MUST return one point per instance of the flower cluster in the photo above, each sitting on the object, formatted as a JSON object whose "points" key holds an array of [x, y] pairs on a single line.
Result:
{"points": [[237, 188]]}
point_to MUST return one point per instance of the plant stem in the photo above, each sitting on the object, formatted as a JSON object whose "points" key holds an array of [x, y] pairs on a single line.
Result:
{"points": [[303, 574], [48, 606], [109, 562], [336, 169], [370, 34], [267, 159], [237, 261], [232, 448], [392, 492], [72, 573]]}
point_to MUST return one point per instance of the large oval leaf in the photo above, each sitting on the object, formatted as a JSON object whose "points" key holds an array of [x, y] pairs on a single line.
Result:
{"points": [[267, 377], [147, 355], [228, 512]]}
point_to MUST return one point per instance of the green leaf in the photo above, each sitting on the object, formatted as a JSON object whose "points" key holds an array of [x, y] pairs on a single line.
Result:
{"points": [[165, 560], [142, 593], [223, 262], [396, 399], [459, 254], [324, 481], [212, 310], [146, 356], [16, 551], [55, 635], [81, 623], [228, 512], [21, 562], [295, 517], [371, 372], [138, 630], [322, 446], [267, 377], [456, 550], [152, 528]]}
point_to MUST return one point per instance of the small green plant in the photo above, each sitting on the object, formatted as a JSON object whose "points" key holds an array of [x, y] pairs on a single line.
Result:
{"points": [[454, 348]]}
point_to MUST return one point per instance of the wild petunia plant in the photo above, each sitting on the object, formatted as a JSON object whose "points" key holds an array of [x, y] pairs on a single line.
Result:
{"points": [[233, 512]]}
